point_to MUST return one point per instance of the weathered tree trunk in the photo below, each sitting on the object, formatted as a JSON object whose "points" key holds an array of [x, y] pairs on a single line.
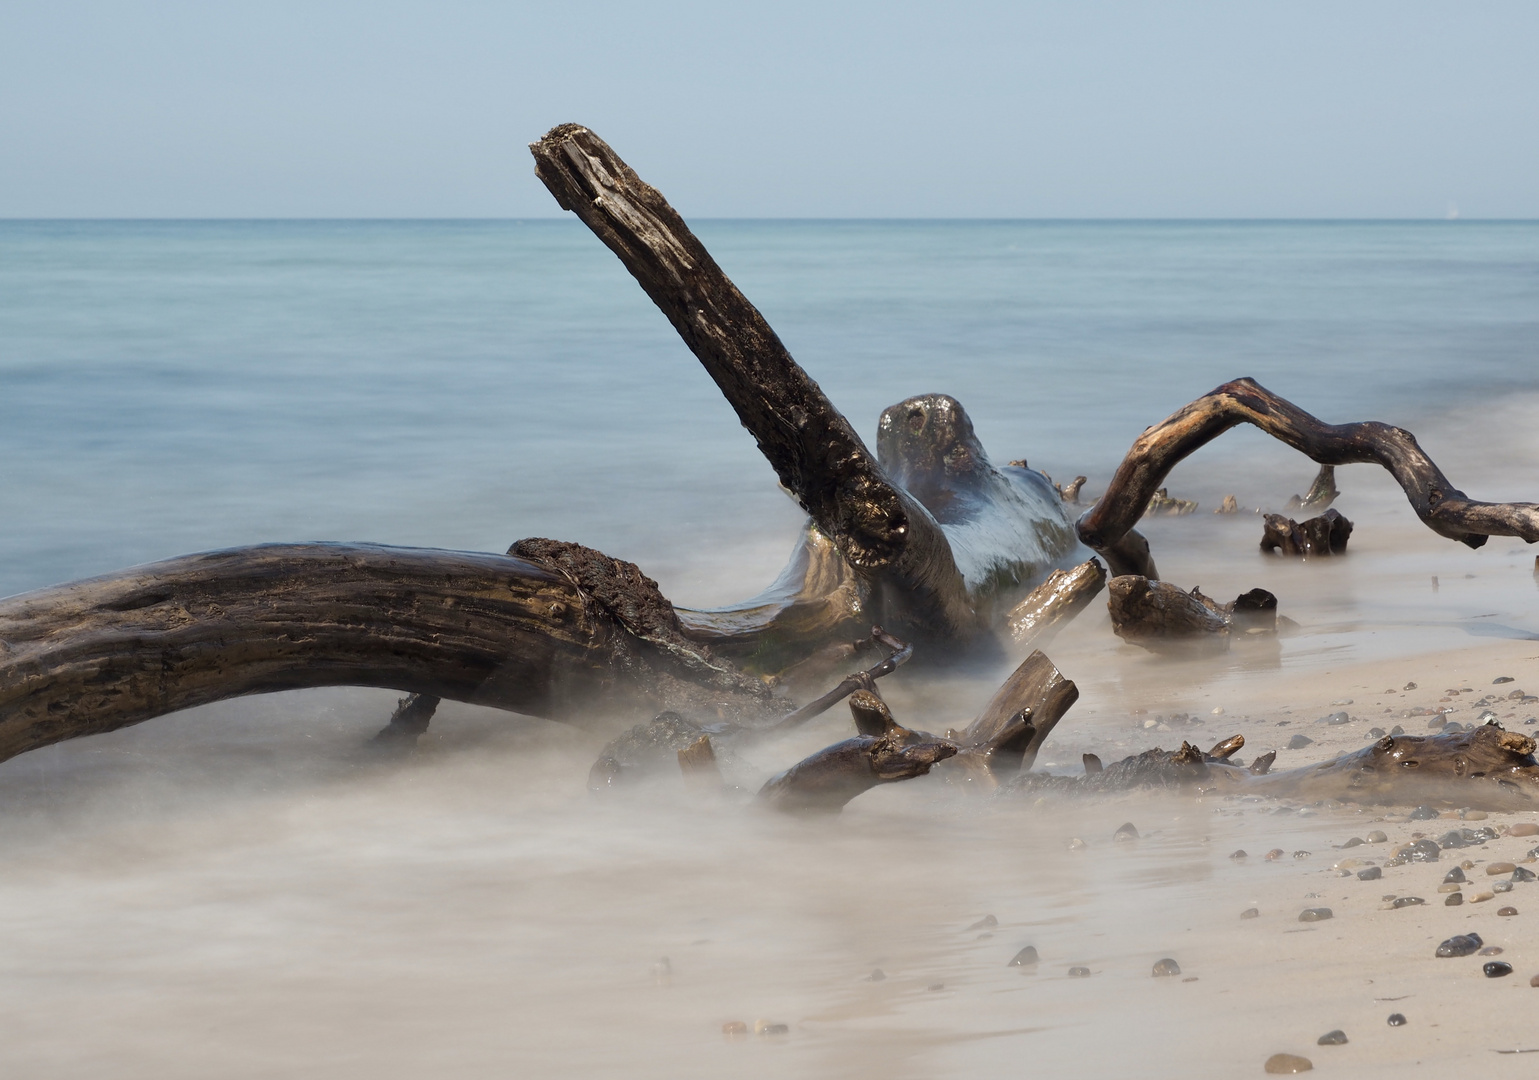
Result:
{"points": [[881, 530], [495, 630], [1324, 535], [1049, 607], [1445, 509]]}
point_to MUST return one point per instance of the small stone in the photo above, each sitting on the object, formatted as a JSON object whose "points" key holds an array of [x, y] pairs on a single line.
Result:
{"points": [[1125, 831], [1333, 1038], [1447, 887], [1076, 844], [1240, 854], [1027, 957], [1218, 711], [1356, 841], [1502, 887], [1397, 730], [1502, 679], [1423, 813], [1455, 900], [935, 986], [765, 1027], [1375, 733], [1372, 873], [1482, 897], [1473, 815], [1079, 973], [1534, 981], [1298, 742], [877, 975], [1409, 901], [734, 1029], [1522, 873], [1507, 911], [1460, 945], [1166, 967], [1301, 854], [988, 922], [1378, 837], [1275, 854], [1496, 969], [1410, 686], [1315, 914], [1250, 913], [1397, 1019], [1491, 950], [1422, 850], [1493, 869], [1335, 719], [1454, 876], [1287, 1063], [1524, 828]]}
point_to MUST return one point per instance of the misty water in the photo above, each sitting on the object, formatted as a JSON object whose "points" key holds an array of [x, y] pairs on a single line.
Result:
{"points": [[243, 890]]}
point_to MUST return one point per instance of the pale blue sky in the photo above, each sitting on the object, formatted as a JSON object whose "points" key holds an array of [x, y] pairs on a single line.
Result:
{"points": [[879, 109]]}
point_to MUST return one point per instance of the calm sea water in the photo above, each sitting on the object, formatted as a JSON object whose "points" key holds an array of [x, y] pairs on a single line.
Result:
{"points": [[176, 386], [241, 890]]}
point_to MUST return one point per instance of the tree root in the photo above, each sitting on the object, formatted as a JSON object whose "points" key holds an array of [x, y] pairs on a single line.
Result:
{"points": [[1324, 535], [1445, 509], [1158, 615]]}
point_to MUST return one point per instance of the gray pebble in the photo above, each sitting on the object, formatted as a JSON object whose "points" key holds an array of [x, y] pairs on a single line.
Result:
{"points": [[1166, 967], [1125, 831], [1454, 877], [1249, 913], [1423, 813], [1079, 973], [1454, 900], [1396, 1019], [1025, 958], [1378, 836], [1298, 742], [988, 922], [1495, 969], [1372, 873], [1409, 901], [1333, 1038], [1315, 914]]}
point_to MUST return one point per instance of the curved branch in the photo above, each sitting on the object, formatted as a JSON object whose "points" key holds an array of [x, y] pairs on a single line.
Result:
{"points": [[882, 530], [1444, 509], [496, 630]]}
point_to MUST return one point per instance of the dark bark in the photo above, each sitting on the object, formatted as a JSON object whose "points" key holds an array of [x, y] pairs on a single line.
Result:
{"points": [[901, 654], [495, 630], [1321, 493], [881, 530], [825, 781], [1324, 535], [1156, 614], [1050, 607], [1445, 509], [1010, 731]]}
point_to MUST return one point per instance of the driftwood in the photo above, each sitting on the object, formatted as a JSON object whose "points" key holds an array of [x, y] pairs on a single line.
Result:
{"points": [[1324, 535], [1485, 768], [1445, 509], [1321, 493], [824, 782], [1158, 615], [1049, 607]]}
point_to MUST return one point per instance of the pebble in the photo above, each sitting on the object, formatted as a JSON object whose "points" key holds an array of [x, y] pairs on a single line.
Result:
{"points": [[1454, 876], [1125, 831], [1422, 813], [1491, 950], [1298, 742], [1315, 914], [734, 1029], [1275, 854], [1079, 973], [1335, 719], [1502, 679], [1025, 958], [1525, 828], [1378, 837], [765, 1027], [1249, 913], [1375, 733], [1520, 873], [1410, 686], [1356, 841], [1397, 1019], [1502, 886], [1452, 886], [1482, 897], [1165, 967], [1534, 981], [1493, 869], [1422, 850], [1397, 730], [1408, 901], [1333, 1038], [877, 975], [1460, 945], [1240, 854], [1454, 900], [1507, 911], [1373, 873], [1076, 844], [1288, 1063], [1301, 854], [936, 986], [988, 922], [1495, 969]]}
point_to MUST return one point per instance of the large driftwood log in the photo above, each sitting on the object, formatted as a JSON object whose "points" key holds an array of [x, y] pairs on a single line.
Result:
{"points": [[880, 529], [495, 630], [1158, 615], [1324, 535], [1445, 509]]}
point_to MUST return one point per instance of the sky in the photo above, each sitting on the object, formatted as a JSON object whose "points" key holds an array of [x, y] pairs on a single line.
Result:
{"points": [[874, 108]]}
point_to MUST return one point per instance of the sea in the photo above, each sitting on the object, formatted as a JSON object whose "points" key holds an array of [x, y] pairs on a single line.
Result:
{"points": [[241, 890]]}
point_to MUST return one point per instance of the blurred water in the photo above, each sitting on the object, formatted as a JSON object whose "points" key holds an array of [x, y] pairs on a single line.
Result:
{"points": [[239, 890]]}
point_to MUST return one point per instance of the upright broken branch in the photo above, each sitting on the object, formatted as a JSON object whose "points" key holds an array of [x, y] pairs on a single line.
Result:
{"points": [[1444, 509], [880, 529]]}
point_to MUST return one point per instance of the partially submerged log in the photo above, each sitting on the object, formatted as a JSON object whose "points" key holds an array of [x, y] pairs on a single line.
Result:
{"points": [[1049, 607], [496, 630], [1321, 493], [1008, 734], [1445, 509], [1158, 615], [1324, 535], [826, 781]]}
